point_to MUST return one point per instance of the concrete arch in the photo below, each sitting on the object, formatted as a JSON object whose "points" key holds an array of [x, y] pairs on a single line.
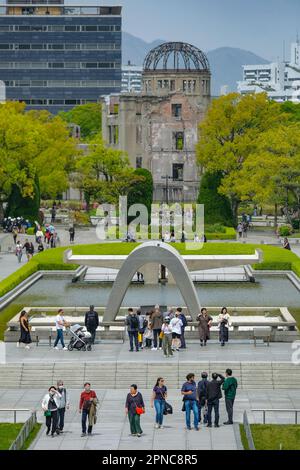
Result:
{"points": [[153, 252]]}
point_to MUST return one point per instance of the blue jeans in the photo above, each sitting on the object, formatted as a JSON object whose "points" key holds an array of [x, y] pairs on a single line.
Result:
{"points": [[159, 408], [59, 337], [210, 406], [191, 405], [84, 417]]}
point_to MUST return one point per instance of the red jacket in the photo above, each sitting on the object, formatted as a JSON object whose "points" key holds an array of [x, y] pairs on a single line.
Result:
{"points": [[86, 396]]}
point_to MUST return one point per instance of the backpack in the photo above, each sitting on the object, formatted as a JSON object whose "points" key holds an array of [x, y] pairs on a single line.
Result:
{"points": [[134, 322]]}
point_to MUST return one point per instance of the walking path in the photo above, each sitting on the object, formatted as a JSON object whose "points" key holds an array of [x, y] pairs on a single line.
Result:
{"points": [[112, 429], [235, 351]]}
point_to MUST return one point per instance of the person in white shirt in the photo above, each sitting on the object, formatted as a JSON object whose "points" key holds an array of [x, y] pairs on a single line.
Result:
{"points": [[223, 325], [59, 324], [176, 325], [50, 405]]}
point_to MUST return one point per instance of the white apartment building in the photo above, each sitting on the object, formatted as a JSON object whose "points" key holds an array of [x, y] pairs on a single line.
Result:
{"points": [[281, 80], [131, 78]]}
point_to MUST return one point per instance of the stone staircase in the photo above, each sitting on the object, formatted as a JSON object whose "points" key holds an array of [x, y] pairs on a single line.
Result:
{"points": [[119, 375]]}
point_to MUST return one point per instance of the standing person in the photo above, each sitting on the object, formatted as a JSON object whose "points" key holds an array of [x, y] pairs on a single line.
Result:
{"points": [[19, 251], [53, 214], [224, 323], [213, 397], [240, 230], [50, 404], [60, 323], [190, 401], [25, 330], [202, 392], [184, 324], [72, 233], [63, 405], [143, 323], [132, 323], [15, 234], [167, 338], [158, 400], [91, 322], [39, 235], [176, 325], [169, 313], [134, 407], [229, 386], [286, 244], [148, 334], [156, 324], [87, 404], [29, 249], [204, 324]]}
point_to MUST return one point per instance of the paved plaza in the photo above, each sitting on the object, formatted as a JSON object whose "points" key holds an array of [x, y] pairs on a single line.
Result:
{"points": [[112, 429], [239, 351]]}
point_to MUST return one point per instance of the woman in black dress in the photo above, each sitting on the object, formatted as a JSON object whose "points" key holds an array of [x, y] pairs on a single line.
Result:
{"points": [[25, 331]]}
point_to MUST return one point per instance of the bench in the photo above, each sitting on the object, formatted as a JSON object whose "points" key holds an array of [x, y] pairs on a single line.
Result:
{"points": [[262, 333], [43, 334]]}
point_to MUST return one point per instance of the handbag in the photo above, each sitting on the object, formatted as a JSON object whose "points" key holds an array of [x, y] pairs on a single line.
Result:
{"points": [[47, 413], [168, 410], [139, 411], [183, 406], [161, 335]]}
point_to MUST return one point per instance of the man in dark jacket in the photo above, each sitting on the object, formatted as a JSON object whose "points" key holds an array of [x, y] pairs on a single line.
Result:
{"points": [[213, 395], [202, 392], [184, 324], [132, 323], [92, 322]]}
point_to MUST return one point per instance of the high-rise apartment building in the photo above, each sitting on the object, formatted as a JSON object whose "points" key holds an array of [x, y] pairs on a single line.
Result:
{"points": [[57, 56]]}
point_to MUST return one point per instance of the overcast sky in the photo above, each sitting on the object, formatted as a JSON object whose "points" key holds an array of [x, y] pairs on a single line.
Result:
{"points": [[260, 26]]}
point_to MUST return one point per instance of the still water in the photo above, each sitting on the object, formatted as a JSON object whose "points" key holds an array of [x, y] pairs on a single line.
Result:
{"points": [[267, 291]]}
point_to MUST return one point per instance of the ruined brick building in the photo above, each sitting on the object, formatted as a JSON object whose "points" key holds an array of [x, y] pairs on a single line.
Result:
{"points": [[158, 127]]}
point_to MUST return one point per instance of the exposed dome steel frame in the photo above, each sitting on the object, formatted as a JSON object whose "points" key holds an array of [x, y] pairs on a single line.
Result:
{"points": [[189, 54]]}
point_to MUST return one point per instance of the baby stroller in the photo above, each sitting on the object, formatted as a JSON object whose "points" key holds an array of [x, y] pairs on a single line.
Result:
{"points": [[80, 339]]}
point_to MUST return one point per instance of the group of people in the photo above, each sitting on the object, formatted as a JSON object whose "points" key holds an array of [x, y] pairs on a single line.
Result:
{"points": [[201, 399], [91, 322], [56, 402], [15, 225], [166, 330]]}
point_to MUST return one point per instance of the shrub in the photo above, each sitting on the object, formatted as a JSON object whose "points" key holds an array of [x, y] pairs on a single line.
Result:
{"points": [[296, 224], [215, 228], [285, 230], [217, 209], [142, 192]]}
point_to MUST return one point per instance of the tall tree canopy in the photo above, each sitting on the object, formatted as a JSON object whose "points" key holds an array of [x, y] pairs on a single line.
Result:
{"points": [[230, 133], [87, 116], [33, 144]]}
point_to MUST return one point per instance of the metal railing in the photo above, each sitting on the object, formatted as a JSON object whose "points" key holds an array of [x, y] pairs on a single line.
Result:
{"points": [[248, 432], [24, 433], [15, 411], [277, 410]]}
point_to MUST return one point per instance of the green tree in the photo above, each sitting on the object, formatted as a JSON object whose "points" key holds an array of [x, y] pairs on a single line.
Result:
{"points": [[229, 134], [272, 172], [27, 207], [142, 191], [104, 173], [87, 116], [217, 209], [33, 144]]}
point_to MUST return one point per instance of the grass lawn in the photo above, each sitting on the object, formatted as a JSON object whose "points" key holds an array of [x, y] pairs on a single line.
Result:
{"points": [[274, 436], [9, 432]]}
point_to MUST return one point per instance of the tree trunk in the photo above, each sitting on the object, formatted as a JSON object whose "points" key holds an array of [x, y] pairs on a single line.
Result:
{"points": [[1, 211], [235, 207]]}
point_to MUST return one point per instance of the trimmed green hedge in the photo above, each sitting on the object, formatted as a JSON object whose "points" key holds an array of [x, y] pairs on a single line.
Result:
{"points": [[230, 234]]}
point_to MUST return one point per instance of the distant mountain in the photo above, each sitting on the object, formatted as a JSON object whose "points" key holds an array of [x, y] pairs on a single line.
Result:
{"points": [[225, 62], [226, 66], [135, 49]]}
